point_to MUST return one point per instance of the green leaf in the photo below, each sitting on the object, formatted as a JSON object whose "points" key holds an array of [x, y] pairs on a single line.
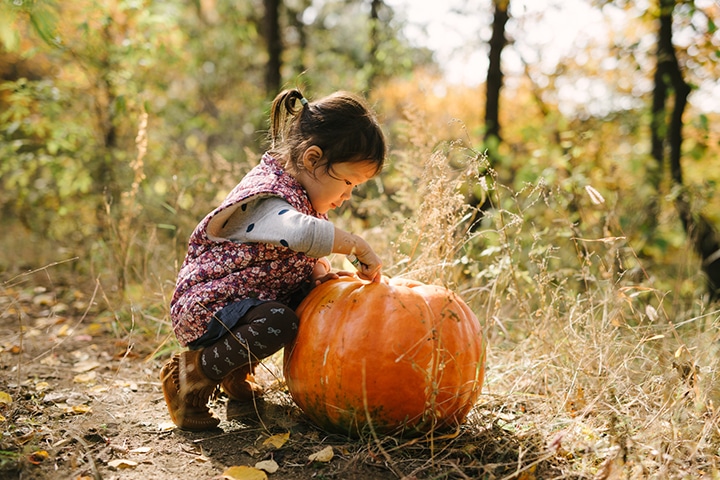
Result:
{"points": [[44, 23]]}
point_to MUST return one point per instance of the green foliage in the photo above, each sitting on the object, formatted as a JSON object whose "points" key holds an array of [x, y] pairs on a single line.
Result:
{"points": [[49, 148], [145, 114]]}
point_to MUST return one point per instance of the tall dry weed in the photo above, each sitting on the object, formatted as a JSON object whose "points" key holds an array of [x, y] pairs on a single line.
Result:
{"points": [[595, 368]]}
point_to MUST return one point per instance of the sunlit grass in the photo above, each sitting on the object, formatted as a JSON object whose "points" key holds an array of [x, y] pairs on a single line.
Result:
{"points": [[602, 362]]}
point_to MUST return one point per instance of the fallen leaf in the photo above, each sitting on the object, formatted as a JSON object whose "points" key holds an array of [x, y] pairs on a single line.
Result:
{"points": [[166, 426], [244, 473], [85, 377], [270, 466], [122, 463], [278, 440], [65, 331], [5, 398], [576, 401], [50, 361], [44, 299], [85, 366], [528, 474], [81, 409], [95, 329], [77, 398], [324, 455], [38, 457], [252, 451], [41, 386]]}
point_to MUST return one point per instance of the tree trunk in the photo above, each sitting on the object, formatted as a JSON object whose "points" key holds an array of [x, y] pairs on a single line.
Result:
{"points": [[274, 46], [374, 42], [668, 77], [493, 85], [494, 81]]}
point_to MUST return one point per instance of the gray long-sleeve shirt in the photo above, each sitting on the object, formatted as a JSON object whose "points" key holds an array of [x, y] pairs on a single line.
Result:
{"points": [[273, 220]]}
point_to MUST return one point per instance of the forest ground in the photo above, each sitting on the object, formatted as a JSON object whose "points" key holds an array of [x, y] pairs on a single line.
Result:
{"points": [[81, 400]]}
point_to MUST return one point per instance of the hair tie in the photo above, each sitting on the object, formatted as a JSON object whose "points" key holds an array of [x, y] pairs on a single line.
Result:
{"points": [[303, 101]]}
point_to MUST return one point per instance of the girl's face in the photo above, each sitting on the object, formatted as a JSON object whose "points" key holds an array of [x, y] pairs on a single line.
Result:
{"points": [[328, 190]]}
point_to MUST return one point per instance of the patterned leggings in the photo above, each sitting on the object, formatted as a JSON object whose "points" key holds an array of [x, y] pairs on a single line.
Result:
{"points": [[264, 330]]}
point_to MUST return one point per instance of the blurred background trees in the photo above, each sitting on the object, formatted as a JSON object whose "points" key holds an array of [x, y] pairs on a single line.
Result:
{"points": [[123, 122]]}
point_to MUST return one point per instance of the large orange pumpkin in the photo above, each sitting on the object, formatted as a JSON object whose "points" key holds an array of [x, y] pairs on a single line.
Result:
{"points": [[398, 356]]}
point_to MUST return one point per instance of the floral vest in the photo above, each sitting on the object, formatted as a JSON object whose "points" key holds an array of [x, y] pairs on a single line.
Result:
{"points": [[217, 272]]}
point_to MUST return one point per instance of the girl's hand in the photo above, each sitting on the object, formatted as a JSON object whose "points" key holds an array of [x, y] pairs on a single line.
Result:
{"points": [[368, 265], [326, 277], [360, 254], [322, 272]]}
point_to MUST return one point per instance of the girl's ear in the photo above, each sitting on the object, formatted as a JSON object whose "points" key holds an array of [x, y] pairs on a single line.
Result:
{"points": [[311, 158]]}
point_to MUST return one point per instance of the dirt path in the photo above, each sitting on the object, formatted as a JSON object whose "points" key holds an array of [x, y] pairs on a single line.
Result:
{"points": [[76, 403], [81, 400]]}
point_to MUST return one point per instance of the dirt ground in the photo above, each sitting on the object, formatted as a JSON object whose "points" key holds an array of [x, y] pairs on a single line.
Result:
{"points": [[81, 400]]}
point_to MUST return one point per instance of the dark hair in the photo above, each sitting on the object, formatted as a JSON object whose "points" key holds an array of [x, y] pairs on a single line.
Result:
{"points": [[341, 124]]}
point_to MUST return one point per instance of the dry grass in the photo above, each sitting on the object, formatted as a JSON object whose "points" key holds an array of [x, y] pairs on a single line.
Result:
{"points": [[596, 367]]}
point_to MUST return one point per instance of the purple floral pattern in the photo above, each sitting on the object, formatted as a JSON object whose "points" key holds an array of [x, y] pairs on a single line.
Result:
{"points": [[218, 272]]}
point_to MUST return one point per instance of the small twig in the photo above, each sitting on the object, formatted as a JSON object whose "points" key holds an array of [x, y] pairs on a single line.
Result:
{"points": [[84, 315], [460, 472], [530, 465], [25, 274], [95, 473]]}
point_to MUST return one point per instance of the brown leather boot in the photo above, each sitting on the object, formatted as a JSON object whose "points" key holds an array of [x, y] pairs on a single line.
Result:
{"points": [[240, 384], [187, 391]]}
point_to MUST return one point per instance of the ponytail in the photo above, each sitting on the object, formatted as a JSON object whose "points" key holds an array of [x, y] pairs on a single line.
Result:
{"points": [[285, 105]]}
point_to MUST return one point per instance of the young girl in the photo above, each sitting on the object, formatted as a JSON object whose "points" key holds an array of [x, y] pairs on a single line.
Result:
{"points": [[252, 259]]}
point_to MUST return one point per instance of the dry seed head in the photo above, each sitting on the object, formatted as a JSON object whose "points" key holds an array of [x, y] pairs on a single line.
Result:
{"points": [[595, 196]]}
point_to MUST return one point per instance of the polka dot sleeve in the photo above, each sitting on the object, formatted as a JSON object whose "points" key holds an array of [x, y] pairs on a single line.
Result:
{"points": [[273, 220]]}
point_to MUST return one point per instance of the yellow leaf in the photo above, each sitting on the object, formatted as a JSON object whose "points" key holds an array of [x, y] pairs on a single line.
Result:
{"points": [[2, 419], [84, 377], [278, 440], [528, 474], [37, 457], [42, 386], [324, 455], [82, 409], [244, 473], [95, 329], [5, 398], [122, 463], [75, 409], [269, 466], [64, 331]]}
